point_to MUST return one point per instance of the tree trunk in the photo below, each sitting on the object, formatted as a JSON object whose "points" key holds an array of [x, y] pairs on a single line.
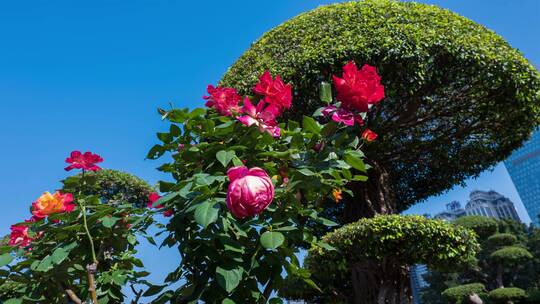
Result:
{"points": [[375, 196], [383, 282], [500, 276]]}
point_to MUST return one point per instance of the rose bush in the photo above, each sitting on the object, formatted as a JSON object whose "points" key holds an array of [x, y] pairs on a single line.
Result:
{"points": [[80, 242], [248, 189]]}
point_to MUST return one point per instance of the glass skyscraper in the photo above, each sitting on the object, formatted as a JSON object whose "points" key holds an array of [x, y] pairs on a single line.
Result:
{"points": [[524, 169]]}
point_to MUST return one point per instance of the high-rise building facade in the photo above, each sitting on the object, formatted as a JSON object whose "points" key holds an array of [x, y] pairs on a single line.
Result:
{"points": [[482, 203], [524, 169]]}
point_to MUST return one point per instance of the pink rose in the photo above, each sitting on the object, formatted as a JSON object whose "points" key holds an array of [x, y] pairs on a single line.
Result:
{"points": [[263, 117], [224, 100], [250, 191]]}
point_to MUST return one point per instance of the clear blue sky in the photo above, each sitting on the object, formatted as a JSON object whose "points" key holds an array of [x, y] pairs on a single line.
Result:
{"points": [[89, 75]]}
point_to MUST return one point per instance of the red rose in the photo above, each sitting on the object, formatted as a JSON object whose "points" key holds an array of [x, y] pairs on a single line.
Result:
{"points": [[250, 191], [86, 161], [369, 135], [224, 100], [358, 88], [19, 236], [276, 93]]}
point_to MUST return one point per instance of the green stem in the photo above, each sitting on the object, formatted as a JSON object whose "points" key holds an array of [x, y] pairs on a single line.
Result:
{"points": [[85, 222], [94, 258]]}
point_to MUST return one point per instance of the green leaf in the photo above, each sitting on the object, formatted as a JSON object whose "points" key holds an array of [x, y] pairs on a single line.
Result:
{"points": [[325, 92], [45, 264], [306, 172], [272, 239], [311, 125], [5, 259], [153, 290], [275, 301], [109, 221], [354, 161], [155, 152], [206, 213], [131, 239], [13, 301], [225, 157], [228, 279], [227, 301], [59, 255]]}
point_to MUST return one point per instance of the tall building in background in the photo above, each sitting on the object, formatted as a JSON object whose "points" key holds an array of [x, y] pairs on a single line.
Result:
{"points": [[524, 169], [482, 203]]}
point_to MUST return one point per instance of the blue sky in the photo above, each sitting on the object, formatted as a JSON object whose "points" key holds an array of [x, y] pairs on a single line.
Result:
{"points": [[88, 75]]}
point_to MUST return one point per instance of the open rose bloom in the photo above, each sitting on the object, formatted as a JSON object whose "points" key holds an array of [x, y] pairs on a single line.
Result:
{"points": [[19, 236], [250, 191], [85, 161], [48, 204]]}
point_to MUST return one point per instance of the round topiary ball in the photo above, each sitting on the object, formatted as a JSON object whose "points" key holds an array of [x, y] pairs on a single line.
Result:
{"points": [[113, 187], [511, 255], [507, 295], [459, 98]]}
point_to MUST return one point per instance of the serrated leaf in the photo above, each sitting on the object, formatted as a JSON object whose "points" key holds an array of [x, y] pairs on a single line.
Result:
{"points": [[228, 278], [206, 213], [272, 239]]}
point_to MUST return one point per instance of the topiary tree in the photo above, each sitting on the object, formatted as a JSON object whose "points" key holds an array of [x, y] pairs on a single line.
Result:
{"points": [[377, 252], [460, 294], [459, 98], [508, 257], [446, 80], [507, 295]]}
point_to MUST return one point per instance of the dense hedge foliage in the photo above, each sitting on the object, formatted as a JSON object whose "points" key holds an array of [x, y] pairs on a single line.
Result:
{"points": [[459, 294], [483, 226], [448, 82], [115, 187], [389, 239], [511, 254], [503, 295], [501, 240]]}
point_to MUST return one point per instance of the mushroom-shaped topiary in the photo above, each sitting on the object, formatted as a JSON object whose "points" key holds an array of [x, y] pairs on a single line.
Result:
{"points": [[460, 294], [509, 256], [459, 98], [483, 226], [501, 240], [507, 295], [370, 263]]}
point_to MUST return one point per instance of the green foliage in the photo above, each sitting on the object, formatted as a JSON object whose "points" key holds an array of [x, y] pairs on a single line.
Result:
{"points": [[62, 251], [507, 257], [503, 295], [114, 187], [385, 240], [243, 260], [407, 239], [454, 89], [501, 240], [511, 255], [482, 225], [459, 294]]}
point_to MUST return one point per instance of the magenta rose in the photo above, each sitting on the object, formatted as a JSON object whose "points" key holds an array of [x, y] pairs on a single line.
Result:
{"points": [[250, 191]]}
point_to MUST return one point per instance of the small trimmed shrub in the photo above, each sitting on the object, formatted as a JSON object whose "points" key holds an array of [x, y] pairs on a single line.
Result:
{"points": [[507, 295], [459, 294]]}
